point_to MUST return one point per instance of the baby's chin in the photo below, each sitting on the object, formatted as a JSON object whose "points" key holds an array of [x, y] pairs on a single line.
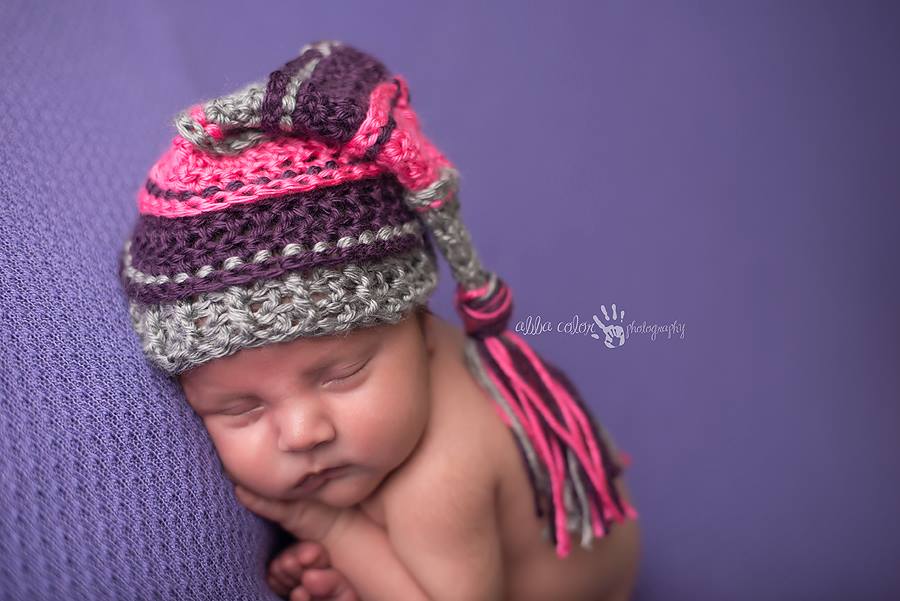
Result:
{"points": [[341, 501]]}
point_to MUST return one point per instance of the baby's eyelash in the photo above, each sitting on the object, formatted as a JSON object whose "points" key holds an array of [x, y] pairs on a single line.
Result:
{"points": [[233, 413], [350, 375]]}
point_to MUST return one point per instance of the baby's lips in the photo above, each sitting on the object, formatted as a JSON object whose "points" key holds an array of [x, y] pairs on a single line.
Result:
{"points": [[312, 478]]}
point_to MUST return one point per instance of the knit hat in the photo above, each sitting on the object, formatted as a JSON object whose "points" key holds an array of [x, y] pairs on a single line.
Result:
{"points": [[308, 204]]}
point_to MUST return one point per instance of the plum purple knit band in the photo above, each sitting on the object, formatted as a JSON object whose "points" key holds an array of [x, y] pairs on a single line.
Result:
{"points": [[170, 259]]}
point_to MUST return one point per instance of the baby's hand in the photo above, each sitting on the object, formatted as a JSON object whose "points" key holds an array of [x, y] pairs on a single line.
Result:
{"points": [[304, 572], [304, 518]]}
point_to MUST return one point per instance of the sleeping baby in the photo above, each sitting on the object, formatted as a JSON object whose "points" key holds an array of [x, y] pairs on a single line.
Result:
{"points": [[281, 269]]}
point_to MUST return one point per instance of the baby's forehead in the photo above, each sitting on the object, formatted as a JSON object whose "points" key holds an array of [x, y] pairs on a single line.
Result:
{"points": [[307, 354]]}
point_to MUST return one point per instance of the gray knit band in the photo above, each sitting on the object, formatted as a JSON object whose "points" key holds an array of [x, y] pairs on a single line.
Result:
{"points": [[180, 335]]}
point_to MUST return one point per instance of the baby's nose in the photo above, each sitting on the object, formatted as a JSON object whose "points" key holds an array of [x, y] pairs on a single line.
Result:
{"points": [[303, 429]]}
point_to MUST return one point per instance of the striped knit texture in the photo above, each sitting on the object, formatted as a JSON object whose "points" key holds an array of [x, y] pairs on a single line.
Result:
{"points": [[286, 209]]}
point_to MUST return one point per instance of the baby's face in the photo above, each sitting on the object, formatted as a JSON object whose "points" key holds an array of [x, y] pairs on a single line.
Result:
{"points": [[280, 412]]}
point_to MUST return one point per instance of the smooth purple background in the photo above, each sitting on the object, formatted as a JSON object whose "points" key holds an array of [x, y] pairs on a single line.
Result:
{"points": [[732, 166]]}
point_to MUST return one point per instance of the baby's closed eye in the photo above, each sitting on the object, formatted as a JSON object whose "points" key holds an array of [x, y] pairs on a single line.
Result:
{"points": [[347, 374], [241, 409]]}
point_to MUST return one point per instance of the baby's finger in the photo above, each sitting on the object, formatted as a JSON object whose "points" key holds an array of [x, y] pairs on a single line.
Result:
{"points": [[276, 511], [300, 594], [312, 555], [286, 570], [278, 585], [287, 563], [328, 583]]}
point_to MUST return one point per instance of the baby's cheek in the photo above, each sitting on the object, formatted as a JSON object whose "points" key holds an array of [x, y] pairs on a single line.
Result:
{"points": [[245, 458], [362, 433], [391, 429]]}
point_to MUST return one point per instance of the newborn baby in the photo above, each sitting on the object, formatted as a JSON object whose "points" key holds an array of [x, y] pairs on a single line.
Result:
{"points": [[280, 269], [381, 446]]}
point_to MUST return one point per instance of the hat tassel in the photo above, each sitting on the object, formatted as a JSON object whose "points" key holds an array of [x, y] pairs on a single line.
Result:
{"points": [[548, 411]]}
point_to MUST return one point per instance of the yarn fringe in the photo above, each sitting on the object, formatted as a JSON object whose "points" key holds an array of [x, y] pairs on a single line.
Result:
{"points": [[570, 458]]}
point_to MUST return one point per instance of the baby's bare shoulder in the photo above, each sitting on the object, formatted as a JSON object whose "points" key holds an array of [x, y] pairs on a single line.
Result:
{"points": [[451, 478], [458, 454], [456, 459], [458, 450]]}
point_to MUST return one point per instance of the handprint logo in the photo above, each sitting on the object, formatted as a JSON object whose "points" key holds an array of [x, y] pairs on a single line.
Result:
{"points": [[613, 331]]}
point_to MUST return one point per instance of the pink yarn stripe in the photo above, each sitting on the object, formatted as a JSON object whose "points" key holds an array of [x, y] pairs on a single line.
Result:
{"points": [[501, 355], [432, 205], [564, 543], [569, 403], [436, 204], [559, 391], [555, 470], [463, 296], [551, 420], [611, 511], [488, 315], [564, 404], [473, 293], [213, 129], [596, 523], [376, 116], [262, 160], [557, 476], [407, 153], [534, 432], [510, 401], [525, 415]]}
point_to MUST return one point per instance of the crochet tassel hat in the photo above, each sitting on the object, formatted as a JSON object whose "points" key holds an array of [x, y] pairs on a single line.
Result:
{"points": [[302, 206]]}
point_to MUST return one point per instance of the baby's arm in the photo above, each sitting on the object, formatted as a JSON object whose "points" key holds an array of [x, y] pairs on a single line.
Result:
{"points": [[360, 549], [442, 540], [442, 543]]}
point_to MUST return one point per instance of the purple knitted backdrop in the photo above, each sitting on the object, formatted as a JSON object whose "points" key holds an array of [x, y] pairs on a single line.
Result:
{"points": [[110, 488], [731, 167]]}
